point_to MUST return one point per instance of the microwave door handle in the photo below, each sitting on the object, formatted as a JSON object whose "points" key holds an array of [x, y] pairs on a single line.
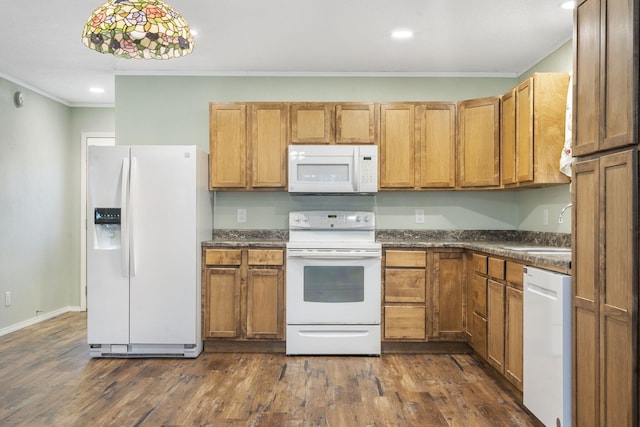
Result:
{"points": [[356, 168]]}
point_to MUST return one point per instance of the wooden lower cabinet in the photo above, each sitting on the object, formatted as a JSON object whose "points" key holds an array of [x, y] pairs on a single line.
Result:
{"points": [[605, 291], [477, 304], [405, 295], [447, 269], [496, 325], [423, 295], [243, 294]]}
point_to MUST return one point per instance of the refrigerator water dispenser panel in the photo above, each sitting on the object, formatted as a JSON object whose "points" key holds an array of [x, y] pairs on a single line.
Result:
{"points": [[107, 216], [107, 228]]}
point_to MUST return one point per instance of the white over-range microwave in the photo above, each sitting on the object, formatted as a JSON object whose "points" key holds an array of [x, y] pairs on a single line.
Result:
{"points": [[334, 169]]}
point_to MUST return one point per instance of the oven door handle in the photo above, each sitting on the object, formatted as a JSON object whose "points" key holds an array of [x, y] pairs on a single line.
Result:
{"points": [[342, 255]]}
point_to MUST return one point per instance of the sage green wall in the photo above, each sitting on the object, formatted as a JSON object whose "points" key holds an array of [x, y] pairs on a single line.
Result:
{"points": [[174, 110], [39, 203]]}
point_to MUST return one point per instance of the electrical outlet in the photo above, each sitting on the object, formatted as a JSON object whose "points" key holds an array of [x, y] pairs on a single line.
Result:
{"points": [[545, 217], [242, 215], [419, 216], [7, 298]]}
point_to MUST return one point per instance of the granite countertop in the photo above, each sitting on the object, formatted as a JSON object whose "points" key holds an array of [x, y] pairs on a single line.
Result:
{"points": [[493, 242]]}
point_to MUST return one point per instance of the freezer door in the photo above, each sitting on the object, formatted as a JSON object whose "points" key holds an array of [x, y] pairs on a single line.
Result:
{"points": [[107, 247], [163, 245]]}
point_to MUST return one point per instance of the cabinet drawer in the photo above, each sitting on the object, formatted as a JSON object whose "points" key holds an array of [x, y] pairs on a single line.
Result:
{"points": [[265, 257], [479, 263], [222, 256], [479, 295], [495, 268], [404, 285], [405, 258], [515, 272], [405, 322]]}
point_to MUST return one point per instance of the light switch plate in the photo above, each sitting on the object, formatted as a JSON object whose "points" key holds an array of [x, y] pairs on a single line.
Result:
{"points": [[419, 216]]}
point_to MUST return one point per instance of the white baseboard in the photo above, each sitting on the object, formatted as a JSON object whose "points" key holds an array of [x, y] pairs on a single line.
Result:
{"points": [[40, 318]]}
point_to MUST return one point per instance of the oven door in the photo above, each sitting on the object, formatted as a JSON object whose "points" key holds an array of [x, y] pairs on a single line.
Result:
{"points": [[333, 287]]}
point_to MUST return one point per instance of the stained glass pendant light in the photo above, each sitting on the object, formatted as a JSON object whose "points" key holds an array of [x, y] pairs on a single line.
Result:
{"points": [[138, 29]]}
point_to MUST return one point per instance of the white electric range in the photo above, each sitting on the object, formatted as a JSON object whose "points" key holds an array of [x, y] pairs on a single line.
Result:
{"points": [[333, 283]]}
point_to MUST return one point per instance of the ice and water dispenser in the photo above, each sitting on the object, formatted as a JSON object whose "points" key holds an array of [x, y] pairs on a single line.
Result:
{"points": [[107, 228]]}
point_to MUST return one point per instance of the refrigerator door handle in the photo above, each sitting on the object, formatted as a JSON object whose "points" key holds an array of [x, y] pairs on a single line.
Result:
{"points": [[132, 198], [124, 223]]}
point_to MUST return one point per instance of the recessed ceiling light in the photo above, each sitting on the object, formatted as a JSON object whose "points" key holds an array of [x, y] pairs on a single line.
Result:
{"points": [[402, 34], [569, 5], [96, 90]]}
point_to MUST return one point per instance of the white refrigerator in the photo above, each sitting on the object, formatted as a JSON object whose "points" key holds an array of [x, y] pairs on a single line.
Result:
{"points": [[148, 210]]}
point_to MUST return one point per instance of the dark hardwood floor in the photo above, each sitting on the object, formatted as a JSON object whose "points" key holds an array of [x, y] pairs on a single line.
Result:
{"points": [[48, 379]]}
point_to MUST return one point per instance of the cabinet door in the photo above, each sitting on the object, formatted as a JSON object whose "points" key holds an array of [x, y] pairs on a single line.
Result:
{"points": [[513, 336], [619, 81], [586, 92], [312, 123], [605, 95], [478, 297], [265, 303], [524, 131], [268, 145], [447, 285], [221, 296], [356, 123], [479, 142], [585, 280], [508, 138], [618, 304], [397, 146], [227, 146], [479, 335], [495, 324], [437, 145]]}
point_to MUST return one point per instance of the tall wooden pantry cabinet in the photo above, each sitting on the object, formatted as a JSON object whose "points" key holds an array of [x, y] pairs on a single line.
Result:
{"points": [[605, 214]]}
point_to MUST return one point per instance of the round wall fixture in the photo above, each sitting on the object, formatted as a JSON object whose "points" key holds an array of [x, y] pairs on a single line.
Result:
{"points": [[18, 99]]}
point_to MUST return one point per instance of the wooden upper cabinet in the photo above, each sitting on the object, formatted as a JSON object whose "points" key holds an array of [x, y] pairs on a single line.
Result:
{"points": [[268, 145], [227, 146], [397, 146], [508, 138], [312, 123], [437, 145], [248, 146], [356, 123], [479, 142], [334, 123], [606, 84], [541, 105], [417, 145]]}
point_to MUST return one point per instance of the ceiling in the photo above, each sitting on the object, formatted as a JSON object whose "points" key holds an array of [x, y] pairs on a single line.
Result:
{"points": [[288, 38]]}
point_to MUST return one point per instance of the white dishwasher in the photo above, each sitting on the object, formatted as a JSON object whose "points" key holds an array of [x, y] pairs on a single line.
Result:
{"points": [[547, 346]]}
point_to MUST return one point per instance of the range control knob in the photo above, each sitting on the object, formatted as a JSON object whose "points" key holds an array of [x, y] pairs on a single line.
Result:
{"points": [[366, 218], [358, 218]]}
